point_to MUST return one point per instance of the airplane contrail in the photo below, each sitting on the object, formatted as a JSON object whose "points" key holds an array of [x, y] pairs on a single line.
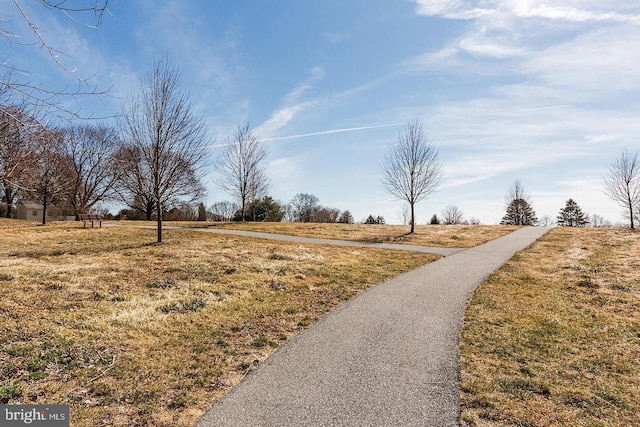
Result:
{"points": [[327, 132]]}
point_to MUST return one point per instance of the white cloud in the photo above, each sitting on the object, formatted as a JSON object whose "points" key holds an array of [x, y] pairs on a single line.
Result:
{"points": [[526, 9]]}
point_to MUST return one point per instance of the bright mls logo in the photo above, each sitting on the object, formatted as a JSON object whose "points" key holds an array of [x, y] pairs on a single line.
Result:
{"points": [[34, 415]]}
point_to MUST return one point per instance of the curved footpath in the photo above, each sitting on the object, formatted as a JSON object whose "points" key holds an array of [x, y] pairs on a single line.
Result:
{"points": [[386, 358], [316, 241]]}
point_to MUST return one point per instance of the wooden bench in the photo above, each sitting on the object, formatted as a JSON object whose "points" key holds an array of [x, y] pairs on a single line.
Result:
{"points": [[90, 217]]}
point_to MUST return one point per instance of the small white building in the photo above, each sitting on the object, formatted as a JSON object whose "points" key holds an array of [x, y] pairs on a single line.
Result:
{"points": [[32, 211]]}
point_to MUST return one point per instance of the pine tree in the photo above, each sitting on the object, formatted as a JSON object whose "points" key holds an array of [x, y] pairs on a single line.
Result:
{"points": [[435, 220], [519, 212], [571, 215]]}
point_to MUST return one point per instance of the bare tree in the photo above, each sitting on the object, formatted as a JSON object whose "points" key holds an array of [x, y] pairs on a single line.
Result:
{"points": [[622, 184], [516, 192], [51, 174], [132, 187], [242, 167], [91, 149], [304, 207], [15, 83], [166, 141], [18, 131], [222, 211], [403, 214], [452, 215], [411, 170], [546, 221]]}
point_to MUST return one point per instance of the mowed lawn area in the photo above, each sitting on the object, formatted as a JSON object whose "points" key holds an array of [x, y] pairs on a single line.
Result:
{"points": [[553, 337], [129, 332]]}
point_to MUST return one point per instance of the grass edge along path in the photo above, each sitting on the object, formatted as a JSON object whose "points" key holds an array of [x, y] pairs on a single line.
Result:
{"points": [[553, 337]]}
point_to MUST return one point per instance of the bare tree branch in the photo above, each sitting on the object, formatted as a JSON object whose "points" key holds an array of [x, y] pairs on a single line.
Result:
{"points": [[15, 85]]}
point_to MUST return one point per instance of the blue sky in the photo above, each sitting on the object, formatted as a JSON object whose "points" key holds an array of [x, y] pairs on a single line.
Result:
{"points": [[541, 91]]}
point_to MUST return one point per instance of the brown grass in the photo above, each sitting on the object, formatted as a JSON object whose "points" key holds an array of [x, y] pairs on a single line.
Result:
{"points": [[132, 333], [448, 236], [553, 338]]}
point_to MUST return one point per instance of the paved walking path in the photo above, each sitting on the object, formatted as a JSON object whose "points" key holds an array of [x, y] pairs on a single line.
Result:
{"points": [[386, 358], [316, 241]]}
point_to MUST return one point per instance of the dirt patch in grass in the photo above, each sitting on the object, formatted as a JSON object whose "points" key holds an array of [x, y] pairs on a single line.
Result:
{"points": [[132, 333], [448, 236], [553, 337]]}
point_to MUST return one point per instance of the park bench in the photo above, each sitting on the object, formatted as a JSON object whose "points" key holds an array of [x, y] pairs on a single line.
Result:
{"points": [[90, 217]]}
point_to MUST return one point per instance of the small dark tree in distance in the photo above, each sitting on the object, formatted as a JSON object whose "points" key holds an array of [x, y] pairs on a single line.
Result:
{"points": [[346, 218], [519, 210], [571, 215], [202, 212], [434, 220]]}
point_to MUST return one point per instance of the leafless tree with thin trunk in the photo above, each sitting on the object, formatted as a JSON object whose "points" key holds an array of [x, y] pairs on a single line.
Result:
{"points": [[622, 183], [51, 174], [452, 215], [18, 131], [132, 187], [403, 214], [412, 170], [15, 83], [516, 192], [242, 167], [222, 211], [166, 140], [91, 149]]}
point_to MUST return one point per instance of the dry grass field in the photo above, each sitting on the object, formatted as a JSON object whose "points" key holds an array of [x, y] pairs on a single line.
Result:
{"points": [[553, 338], [448, 236], [132, 333]]}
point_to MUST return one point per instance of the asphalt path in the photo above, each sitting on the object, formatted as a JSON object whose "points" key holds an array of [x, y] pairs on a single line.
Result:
{"points": [[386, 358], [316, 241]]}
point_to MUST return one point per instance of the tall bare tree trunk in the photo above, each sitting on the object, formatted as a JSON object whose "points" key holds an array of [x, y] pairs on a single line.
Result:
{"points": [[159, 208]]}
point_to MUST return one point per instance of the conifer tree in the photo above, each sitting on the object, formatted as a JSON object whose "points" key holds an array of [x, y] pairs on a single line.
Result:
{"points": [[519, 212], [571, 215]]}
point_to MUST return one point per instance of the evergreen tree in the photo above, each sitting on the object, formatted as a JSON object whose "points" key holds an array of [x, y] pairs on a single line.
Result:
{"points": [[202, 212], [370, 220], [519, 212], [434, 220], [346, 218], [571, 215]]}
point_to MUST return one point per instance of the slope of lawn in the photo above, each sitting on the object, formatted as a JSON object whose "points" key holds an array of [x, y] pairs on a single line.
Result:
{"points": [[129, 332], [553, 337]]}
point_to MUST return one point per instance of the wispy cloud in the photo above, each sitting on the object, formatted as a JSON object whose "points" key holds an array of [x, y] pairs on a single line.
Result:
{"points": [[293, 103]]}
